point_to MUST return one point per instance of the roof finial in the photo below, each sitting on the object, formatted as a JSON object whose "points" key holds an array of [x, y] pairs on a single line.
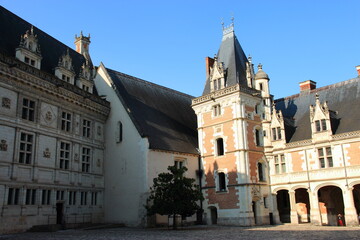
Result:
{"points": [[232, 19], [260, 66], [222, 23], [32, 30]]}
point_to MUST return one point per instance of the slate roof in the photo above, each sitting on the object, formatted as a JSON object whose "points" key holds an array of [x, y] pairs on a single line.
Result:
{"points": [[342, 97], [163, 115], [234, 59], [11, 29]]}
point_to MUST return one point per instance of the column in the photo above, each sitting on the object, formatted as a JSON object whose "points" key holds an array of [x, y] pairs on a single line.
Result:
{"points": [[275, 210], [351, 218], [293, 213], [315, 217]]}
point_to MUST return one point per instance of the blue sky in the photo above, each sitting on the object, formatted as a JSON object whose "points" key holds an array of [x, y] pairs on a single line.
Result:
{"points": [[166, 42]]}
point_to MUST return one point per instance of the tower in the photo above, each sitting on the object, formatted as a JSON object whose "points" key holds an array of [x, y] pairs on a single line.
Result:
{"points": [[229, 116], [82, 44]]}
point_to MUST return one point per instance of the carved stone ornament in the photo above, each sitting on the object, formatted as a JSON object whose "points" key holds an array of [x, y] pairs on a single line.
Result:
{"points": [[3, 145], [76, 157], [6, 102], [99, 130], [47, 153], [48, 116]]}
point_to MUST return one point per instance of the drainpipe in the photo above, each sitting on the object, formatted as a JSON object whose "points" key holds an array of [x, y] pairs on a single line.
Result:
{"points": [[200, 173]]}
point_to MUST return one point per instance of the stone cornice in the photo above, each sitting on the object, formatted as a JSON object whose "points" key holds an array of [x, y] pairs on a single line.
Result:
{"points": [[21, 75], [224, 92]]}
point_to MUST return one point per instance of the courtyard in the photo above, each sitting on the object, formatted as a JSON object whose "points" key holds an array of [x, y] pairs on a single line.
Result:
{"points": [[303, 232]]}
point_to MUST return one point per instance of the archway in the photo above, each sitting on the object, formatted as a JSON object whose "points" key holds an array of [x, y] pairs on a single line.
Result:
{"points": [[356, 194], [331, 204], [213, 215], [283, 204], [302, 205]]}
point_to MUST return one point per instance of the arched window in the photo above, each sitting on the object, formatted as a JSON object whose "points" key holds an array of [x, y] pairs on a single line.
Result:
{"points": [[220, 146], [261, 172], [119, 132], [222, 182]]}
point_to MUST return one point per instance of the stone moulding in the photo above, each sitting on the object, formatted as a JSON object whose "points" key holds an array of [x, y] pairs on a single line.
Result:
{"points": [[224, 92], [51, 84]]}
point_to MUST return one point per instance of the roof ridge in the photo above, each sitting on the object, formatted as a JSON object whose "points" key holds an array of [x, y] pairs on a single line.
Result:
{"points": [[151, 83], [338, 84], [44, 33]]}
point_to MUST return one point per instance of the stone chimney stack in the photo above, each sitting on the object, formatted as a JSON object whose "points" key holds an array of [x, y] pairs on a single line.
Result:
{"points": [[307, 85], [209, 62], [82, 45], [358, 70]]}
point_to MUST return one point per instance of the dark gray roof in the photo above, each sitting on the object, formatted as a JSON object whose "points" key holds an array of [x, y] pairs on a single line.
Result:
{"points": [[13, 27], [163, 115], [234, 59], [343, 98]]}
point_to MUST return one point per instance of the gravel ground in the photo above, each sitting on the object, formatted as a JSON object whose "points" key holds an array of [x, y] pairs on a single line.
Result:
{"points": [[300, 232]]}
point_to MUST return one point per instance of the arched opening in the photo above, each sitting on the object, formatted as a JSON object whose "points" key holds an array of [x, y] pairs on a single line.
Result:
{"points": [[356, 194], [302, 205], [331, 205], [213, 215], [283, 204]]}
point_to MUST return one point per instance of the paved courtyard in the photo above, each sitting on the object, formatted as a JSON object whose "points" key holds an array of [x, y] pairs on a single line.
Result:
{"points": [[300, 232]]}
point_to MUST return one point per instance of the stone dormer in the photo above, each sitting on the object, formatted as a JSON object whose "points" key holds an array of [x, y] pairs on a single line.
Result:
{"points": [[250, 72], [29, 49], [85, 79], [82, 44], [277, 127], [322, 120], [65, 70], [217, 75]]}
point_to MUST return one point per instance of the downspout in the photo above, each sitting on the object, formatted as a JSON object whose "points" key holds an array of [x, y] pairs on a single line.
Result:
{"points": [[200, 173]]}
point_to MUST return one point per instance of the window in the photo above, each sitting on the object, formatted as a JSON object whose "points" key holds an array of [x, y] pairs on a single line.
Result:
{"points": [[60, 195], [94, 198], [64, 155], [280, 165], [46, 197], [220, 147], [217, 110], [221, 182], [85, 159], [217, 84], [258, 137], [30, 197], [72, 197], [265, 202], [86, 88], [26, 148], [28, 110], [83, 198], [27, 60], [86, 128], [320, 125], [179, 164], [325, 157], [261, 86], [276, 133], [119, 132], [65, 78], [66, 121], [261, 172], [13, 196]]}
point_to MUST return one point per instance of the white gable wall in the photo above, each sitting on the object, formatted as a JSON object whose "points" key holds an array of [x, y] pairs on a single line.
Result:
{"points": [[125, 162]]}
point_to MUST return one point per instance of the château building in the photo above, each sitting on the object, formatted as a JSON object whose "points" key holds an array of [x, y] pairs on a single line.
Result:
{"points": [[82, 144], [51, 130]]}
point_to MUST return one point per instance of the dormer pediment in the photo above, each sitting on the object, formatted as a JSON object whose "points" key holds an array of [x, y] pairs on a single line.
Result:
{"points": [[65, 70], [217, 75], [277, 119], [320, 120], [85, 80], [29, 49]]}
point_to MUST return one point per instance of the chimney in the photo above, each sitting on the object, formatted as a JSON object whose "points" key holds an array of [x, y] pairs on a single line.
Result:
{"points": [[82, 45], [209, 63], [307, 85], [358, 70]]}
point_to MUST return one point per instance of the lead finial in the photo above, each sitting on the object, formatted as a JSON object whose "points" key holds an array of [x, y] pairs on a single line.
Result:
{"points": [[222, 23], [260, 66]]}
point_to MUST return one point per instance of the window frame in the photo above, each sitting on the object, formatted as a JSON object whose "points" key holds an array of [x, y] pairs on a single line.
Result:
{"points": [[276, 133], [64, 155], [13, 197], [26, 148], [216, 110], [85, 159], [220, 147], [280, 164], [66, 122], [86, 128], [28, 109], [326, 157]]}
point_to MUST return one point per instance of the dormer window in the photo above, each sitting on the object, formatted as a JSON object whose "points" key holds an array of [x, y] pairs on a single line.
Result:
{"points": [[65, 70], [320, 125], [85, 81], [29, 49], [276, 133], [217, 75]]}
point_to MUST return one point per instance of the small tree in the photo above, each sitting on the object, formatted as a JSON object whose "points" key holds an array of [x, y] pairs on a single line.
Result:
{"points": [[173, 194]]}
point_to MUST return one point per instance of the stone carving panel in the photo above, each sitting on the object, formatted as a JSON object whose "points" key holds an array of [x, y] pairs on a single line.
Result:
{"points": [[48, 115]]}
